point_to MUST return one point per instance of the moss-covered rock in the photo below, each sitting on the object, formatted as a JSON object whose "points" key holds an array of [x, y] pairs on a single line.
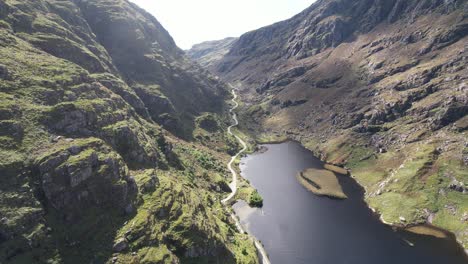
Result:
{"points": [[79, 173]]}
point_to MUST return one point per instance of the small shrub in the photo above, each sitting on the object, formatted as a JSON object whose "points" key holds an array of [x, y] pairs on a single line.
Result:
{"points": [[255, 199]]}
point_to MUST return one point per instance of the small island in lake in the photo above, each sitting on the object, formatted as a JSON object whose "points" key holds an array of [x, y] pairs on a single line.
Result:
{"points": [[321, 182]]}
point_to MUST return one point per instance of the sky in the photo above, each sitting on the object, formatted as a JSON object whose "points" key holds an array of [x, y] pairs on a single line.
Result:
{"points": [[193, 21]]}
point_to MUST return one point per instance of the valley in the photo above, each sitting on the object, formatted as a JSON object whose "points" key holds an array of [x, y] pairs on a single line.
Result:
{"points": [[117, 146], [377, 87]]}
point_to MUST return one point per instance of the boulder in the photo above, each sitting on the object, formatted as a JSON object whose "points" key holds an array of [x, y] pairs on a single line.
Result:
{"points": [[4, 73], [120, 245], [457, 186], [150, 185]]}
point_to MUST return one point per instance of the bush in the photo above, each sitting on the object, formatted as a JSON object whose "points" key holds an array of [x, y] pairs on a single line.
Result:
{"points": [[255, 199]]}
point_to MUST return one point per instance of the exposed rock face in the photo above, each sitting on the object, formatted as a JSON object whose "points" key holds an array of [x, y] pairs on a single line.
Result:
{"points": [[83, 173], [377, 86], [4, 72], [328, 24], [120, 245], [208, 53], [154, 58]]}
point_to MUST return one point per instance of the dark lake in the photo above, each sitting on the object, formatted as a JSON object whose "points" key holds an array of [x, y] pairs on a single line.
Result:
{"points": [[296, 226]]}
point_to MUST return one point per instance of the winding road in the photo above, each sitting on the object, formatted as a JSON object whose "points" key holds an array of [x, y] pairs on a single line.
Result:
{"points": [[233, 184]]}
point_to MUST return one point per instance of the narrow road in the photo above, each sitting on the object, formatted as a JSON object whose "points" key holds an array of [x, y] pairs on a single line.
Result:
{"points": [[233, 184]]}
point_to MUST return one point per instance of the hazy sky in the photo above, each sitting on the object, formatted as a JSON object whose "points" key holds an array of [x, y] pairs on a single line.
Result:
{"points": [[193, 21]]}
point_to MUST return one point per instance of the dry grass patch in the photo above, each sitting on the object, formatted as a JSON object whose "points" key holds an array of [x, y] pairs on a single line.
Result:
{"points": [[427, 230], [321, 182], [336, 169]]}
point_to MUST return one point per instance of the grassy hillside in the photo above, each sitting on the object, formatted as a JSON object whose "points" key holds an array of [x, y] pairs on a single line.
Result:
{"points": [[94, 100]]}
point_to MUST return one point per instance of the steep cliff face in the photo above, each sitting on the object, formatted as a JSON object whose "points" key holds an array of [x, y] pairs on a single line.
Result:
{"points": [[91, 96], [376, 86], [153, 66]]}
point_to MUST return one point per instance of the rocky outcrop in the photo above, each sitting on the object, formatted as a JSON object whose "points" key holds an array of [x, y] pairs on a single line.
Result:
{"points": [[208, 53], [282, 79], [119, 87], [83, 173], [328, 24], [120, 245]]}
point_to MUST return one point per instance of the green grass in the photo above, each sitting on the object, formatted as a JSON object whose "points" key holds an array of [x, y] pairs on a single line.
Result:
{"points": [[82, 156], [185, 216], [271, 139]]}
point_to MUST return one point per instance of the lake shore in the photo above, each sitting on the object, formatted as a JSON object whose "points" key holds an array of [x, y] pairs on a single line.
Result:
{"points": [[287, 202], [278, 139]]}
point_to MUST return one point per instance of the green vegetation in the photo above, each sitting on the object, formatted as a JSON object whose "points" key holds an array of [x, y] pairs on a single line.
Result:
{"points": [[89, 170], [255, 200], [188, 217], [410, 183], [208, 122], [271, 139], [235, 146], [203, 158]]}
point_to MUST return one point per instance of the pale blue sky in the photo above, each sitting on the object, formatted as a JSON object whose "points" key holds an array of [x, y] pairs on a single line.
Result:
{"points": [[193, 21]]}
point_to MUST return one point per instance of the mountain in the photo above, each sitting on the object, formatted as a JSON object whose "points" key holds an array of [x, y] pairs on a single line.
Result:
{"points": [[112, 142], [377, 86], [209, 52]]}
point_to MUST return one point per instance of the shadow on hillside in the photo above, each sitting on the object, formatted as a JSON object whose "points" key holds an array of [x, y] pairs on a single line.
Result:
{"points": [[89, 240]]}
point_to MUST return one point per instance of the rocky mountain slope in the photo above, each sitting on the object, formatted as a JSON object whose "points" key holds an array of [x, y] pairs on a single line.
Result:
{"points": [[208, 53], [112, 143], [377, 86]]}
